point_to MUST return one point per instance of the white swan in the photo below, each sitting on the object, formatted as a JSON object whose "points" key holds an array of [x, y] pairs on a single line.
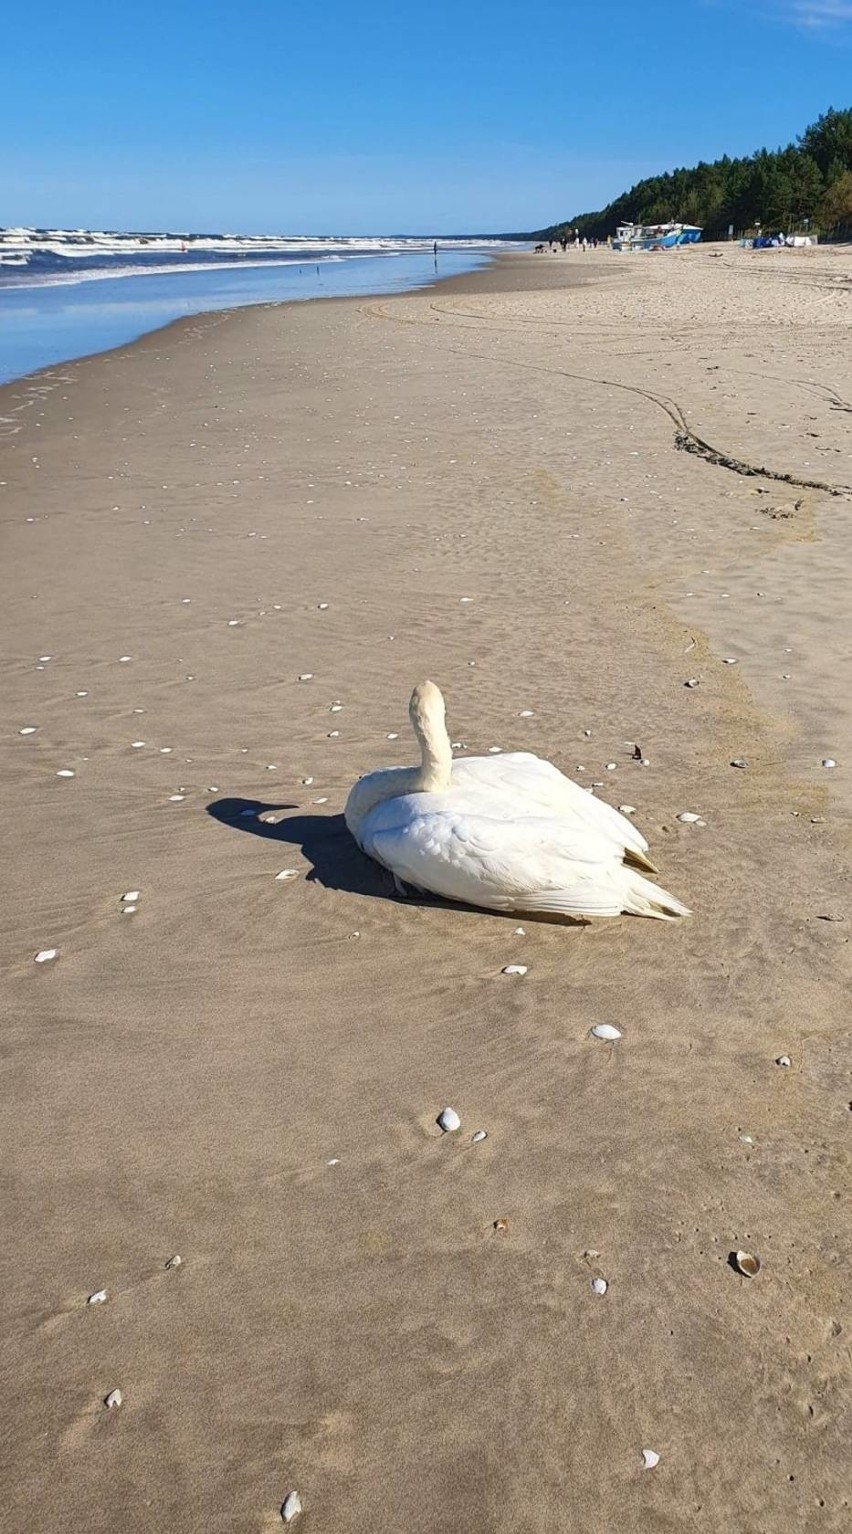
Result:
{"points": [[506, 832]]}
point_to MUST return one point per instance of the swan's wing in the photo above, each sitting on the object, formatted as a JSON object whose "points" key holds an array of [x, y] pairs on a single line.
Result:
{"points": [[532, 863], [533, 786]]}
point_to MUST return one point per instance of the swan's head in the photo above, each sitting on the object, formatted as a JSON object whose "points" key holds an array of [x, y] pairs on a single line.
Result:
{"points": [[426, 709]]}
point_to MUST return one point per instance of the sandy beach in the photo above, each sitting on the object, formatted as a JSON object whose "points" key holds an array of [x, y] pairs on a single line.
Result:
{"points": [[230, 549]]}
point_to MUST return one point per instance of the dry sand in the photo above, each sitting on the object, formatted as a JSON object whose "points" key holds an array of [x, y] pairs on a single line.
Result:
{"points": [[246, 1071]]}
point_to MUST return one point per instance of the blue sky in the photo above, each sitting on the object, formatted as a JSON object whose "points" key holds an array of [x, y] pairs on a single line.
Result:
{"points": [[477, 115]]}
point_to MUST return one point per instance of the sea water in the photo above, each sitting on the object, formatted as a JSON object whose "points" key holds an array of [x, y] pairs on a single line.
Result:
{"points": [[50, 314]]}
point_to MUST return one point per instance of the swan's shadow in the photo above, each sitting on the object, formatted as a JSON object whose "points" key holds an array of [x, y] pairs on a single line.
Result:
{"points": [[337, 862]]}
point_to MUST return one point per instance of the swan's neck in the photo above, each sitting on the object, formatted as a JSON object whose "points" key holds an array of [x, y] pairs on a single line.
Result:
{"points": [[433, 774]]}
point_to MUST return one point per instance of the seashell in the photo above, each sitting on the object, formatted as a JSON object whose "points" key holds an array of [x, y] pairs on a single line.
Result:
{"points": [[501, 1224], [587, 732], [44, 955], [307, 781], [600, 1285], [137, 744], [526, 713], [29, 729], [291, 1506], [333, 734], [82, 695], [493, 750], [335, 1161], [322, 800], [232, 623], [518, 932], [606, 1031], [514, 969], [127, 910], [97, 1298], [739, 761], [627, 809], [465, 599], [165, 750], [748, 1263], [394, 735], [45, 657], [828, 761], [689, 817], [176, 798], [335, 708], [611, 766], [306, 676], [746, 1139], [448, 1120], [124, 658], [650, 1458], [691, 682], [322, 606], [478, 1136], [114, 1398], [783, 1060], [132, 895], [287, 873], [730, 660], [643, 761], [66, 772]]}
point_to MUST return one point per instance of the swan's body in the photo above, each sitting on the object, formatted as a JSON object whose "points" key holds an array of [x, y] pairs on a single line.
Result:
{"points": [[507, 832]]}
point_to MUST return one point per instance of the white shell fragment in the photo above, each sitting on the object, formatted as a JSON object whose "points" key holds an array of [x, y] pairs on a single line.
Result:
{"points": [[448, 1120], [306, 676], [478, 1136], [44, 955], [689, 817], [600, 1285], [739, 761], [606, 1031], [730, 660], [66, 772], [131, 897], [748, 1263], [514, 969], [691, 681], [828, 761], [526, 713], [287, 873], [128, 910], [650, 1458], [29, 729], [137, 745], [291, 1506], [783, 1060], [627, 809], [176, 798], [174, 1262], [97, 1298], [114, 1398]]}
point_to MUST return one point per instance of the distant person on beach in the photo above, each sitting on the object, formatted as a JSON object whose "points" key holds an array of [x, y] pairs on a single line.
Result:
{"points": [[435, 248]]}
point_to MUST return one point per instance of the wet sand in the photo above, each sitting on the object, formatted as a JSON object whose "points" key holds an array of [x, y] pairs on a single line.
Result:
{"points": [[481, 483]]}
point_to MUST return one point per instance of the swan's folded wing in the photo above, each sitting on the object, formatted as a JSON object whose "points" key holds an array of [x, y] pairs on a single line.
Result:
{"points": [[498, 864], [530, 783]]}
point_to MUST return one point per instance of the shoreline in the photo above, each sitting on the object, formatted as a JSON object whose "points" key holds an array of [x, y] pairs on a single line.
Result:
{"points": [[261, 303], [231, 549]]}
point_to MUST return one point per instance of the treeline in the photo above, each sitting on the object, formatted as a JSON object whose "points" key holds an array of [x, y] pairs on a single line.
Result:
{"points": [[806, 185]]}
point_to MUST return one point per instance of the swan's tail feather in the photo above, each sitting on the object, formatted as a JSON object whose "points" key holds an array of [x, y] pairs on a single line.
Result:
{"points": [[635, 859], [642, 898], [632, 893]]}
